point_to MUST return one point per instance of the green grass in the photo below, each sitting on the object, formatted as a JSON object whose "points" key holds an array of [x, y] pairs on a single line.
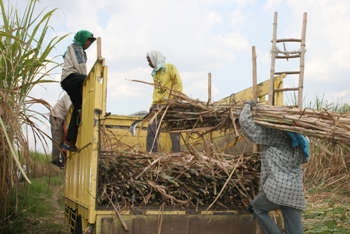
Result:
{"points": [[39, 204], [40, 166], [327, 180], [327, 212], [38, 207], [39, 157]]}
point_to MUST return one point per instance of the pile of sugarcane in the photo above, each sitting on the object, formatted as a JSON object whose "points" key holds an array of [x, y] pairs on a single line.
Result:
{"points": [[182, 180], [189, 115], [140, 179]]}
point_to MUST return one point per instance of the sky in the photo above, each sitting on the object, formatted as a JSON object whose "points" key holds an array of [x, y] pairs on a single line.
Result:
{"points": [[201, 37]]}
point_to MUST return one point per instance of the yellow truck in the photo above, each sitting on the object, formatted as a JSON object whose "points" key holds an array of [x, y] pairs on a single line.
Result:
{"points": [[103, 136], [98, 130]]}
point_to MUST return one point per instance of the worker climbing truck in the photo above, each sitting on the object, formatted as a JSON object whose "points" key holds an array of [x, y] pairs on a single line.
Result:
{"points": [[113, 186]]}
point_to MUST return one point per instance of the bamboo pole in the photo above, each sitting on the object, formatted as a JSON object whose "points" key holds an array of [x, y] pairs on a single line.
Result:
{"points": [[209, 98], [273, 60], [302, 62], [255, 88], [210, 134], [99, 47], [209, 89]]}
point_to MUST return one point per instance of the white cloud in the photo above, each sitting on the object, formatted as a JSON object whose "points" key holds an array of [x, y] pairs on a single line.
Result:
{"points": [[237, 17]]}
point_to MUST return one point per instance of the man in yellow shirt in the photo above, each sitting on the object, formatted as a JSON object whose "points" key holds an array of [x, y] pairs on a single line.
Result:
{"points": [[166, 78]]}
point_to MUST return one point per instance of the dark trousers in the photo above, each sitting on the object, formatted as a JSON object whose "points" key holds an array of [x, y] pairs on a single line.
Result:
{"points": [[152, 139], [73, 86], [292, 217]]}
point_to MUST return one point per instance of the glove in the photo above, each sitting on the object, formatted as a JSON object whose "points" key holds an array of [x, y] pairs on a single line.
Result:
{"points": [[250, 208], [251, 103]]}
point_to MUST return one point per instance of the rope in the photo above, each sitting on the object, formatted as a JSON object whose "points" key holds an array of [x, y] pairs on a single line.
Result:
{"points": [[286, 52]]}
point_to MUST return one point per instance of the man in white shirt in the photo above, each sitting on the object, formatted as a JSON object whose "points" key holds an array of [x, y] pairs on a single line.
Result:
{"points": [[58, 116]]}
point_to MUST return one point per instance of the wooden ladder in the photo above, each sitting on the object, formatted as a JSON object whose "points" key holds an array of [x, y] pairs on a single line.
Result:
{"points": [[278, 54]]}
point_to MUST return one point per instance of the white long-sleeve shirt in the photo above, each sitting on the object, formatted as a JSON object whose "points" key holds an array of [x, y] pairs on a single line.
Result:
{"points": [[61, 108], [74, 61]]}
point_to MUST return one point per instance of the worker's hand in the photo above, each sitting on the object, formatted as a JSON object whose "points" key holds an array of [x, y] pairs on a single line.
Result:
{"points": [[150, 109], [250, 209], [251, 103]]}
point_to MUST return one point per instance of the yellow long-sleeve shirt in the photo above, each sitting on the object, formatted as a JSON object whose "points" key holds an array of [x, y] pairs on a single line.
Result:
{"points": [[166, 79]]}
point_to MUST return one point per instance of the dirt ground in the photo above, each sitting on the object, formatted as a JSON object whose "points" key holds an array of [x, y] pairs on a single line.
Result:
{"points": [[59, 208]]}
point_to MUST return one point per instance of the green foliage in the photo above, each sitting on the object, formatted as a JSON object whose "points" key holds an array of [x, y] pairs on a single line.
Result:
{"points": [[291, 99], [37, 207], [335, 106], [328, 217], [38, 157], [33, 208], [25, 62], [24, 59]]}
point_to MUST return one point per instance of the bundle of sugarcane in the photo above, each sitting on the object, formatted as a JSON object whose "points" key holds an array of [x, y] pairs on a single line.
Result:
{"points": [[141, 180], [188, 115], [185, 114], [323, 124]]}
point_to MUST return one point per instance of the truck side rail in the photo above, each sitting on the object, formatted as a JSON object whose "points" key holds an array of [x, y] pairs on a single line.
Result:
{"points": [[79, 190]]}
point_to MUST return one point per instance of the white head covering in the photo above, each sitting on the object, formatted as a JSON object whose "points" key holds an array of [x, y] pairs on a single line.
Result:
{"points": [[157, 59]]}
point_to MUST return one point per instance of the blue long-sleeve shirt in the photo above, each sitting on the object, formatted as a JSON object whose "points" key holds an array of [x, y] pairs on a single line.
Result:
{"points": [[281, 176]]}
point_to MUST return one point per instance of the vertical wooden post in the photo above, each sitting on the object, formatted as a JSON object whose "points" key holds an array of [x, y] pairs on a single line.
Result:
{"points": [[302, 62], [273, 58], [255, 87], [99, 50], [210, 134], [209, 88]]}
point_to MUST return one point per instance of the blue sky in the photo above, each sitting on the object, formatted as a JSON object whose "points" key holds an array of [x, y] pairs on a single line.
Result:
{"points": [[201, 37]]}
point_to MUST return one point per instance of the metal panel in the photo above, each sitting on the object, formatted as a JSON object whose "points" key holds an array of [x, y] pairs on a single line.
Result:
{"points": [[218, 223], [118, 127], [194, 226], [139, 225], [107, 226], [81, 167], [263, 91]]}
